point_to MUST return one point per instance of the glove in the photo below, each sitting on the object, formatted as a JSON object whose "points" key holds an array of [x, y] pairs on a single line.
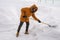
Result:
{"points": [[39, 21], [24, 16]]}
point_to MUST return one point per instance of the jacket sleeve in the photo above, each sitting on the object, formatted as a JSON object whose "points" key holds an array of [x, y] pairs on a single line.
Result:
{"points": [[33, 15], [23, 12]]}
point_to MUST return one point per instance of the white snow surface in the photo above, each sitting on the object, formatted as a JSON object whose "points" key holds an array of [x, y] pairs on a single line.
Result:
{"points": [[9, 21]]}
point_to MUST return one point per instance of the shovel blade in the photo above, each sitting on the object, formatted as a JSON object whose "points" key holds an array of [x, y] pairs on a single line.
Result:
{"points": [[52, 26]]}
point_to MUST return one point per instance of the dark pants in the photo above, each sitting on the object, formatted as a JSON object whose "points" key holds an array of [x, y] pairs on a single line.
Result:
{"points": [[20, 25]]}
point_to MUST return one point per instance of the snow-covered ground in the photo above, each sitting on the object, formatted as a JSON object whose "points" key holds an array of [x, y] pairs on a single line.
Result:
{"points": [[9, 21]]}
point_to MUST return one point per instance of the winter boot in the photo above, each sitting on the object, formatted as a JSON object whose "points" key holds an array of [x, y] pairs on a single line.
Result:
{"points": [[26, 32], [17, 34]]}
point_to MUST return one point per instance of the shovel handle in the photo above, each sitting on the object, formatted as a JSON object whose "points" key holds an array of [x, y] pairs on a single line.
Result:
{"points": [[44, 23]]}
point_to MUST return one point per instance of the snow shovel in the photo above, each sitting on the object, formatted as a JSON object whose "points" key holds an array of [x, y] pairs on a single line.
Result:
{"points": [[49, 24]]}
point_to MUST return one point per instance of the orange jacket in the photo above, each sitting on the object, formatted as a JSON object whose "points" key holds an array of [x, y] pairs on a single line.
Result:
{"points": [[26, 12]]}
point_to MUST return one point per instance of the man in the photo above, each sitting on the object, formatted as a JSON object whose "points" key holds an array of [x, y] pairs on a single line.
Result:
{"points": [[25, 14]]}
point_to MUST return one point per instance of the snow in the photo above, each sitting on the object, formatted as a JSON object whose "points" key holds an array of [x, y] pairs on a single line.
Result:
{"points": [[9, 20]]}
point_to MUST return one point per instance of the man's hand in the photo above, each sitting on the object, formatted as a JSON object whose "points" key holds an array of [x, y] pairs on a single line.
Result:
{"points": [[39, 21]]}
